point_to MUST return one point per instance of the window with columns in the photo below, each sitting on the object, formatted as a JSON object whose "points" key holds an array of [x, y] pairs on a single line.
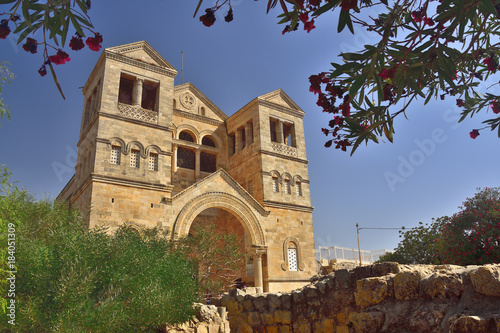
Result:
{"points": [[282, 132], [241, 138], [186, 158], [287, 186], [136, 91]]}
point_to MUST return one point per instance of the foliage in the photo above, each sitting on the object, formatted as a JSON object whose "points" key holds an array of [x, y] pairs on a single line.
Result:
{"points": [[70, 279], [422, 49], [219, 258], [472, 236], [55, 19], [419, 245], [5, 77]]}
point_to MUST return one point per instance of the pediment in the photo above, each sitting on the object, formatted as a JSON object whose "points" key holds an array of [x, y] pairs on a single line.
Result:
{"points": [[191, 100], [143, 52], [279, 97], [219, 182]]}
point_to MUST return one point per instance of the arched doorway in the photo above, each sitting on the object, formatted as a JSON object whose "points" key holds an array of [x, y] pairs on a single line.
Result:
{"points": [[230, 213]]}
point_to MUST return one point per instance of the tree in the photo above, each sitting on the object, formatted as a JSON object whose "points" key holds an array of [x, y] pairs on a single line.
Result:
{"points": [[422, 49], [472, 236], [5, 77], [218, 257], [419, 245], [54, 19], [71, 279]]}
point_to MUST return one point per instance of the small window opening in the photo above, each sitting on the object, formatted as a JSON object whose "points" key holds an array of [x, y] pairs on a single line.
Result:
{"points": [[153, 162], [134, 159], [275, 184], [272, 126], [292, 259], [115, 155], [126, 90], [186, 158], [298, 189], [112, 200], [149, 93], [207, 141], [288, 135]]}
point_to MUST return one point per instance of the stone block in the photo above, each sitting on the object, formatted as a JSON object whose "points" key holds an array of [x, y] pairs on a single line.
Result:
{"points": [[324, 326], [442, 286], [253, 319], [486, 280], [406, 285], [468, 324], [367, 322], [282, 317], [371, 291]]}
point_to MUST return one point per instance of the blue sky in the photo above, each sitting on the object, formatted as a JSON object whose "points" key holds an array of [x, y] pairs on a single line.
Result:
{"points": [[427, 172]]}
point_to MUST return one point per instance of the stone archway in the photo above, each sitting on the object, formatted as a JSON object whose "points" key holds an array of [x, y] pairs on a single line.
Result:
{"points": [[237, 208]]}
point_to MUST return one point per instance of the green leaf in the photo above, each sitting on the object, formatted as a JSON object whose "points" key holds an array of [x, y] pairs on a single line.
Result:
{"points": [[197, 8], [3, 2], [56, 81], [357, 84], [488, 6], [77, 26], [343, 17], [326, 7]]}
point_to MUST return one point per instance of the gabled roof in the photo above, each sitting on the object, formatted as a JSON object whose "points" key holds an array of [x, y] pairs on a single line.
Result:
{"points": [[141, 51], [279, 97], [190, 87], [227, 185]]}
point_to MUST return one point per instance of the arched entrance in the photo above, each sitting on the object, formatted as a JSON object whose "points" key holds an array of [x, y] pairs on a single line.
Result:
{"points": [[239, 217]]}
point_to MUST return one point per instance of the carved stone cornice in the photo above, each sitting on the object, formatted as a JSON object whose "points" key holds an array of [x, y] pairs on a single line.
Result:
{"points": [[282, 205], [141, 64], [194, 116], [132, 183], [135, 121], [291, 158], [273, 106]]}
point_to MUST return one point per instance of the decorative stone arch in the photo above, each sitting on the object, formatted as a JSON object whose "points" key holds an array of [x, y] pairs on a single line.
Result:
{"points": [[191, 129], [223, 201], [117, 142], [292, 242], [153, 149], [133, 227], [298, 178], [135, 144], [215, 138], [276, 174]]}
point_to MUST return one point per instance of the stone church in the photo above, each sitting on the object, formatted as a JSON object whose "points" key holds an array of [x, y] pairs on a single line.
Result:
{"points": [[153, 154]]}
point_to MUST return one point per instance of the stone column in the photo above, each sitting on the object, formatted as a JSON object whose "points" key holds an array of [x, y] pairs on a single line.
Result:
{"points": [[138, 91], [279, 132], [257, 267], [197, 164], [248, 134], [238, 138], [174, 157]]}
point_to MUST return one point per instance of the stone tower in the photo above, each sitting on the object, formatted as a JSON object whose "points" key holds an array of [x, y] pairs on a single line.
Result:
{"points": [[151, 154]]}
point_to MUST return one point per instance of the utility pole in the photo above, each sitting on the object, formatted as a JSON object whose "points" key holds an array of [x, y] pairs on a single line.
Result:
{"points": [[359, 248]]}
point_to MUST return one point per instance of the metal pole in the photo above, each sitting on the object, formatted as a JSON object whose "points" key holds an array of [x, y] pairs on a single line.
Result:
{"points": [[359, 248], [182, 67]]}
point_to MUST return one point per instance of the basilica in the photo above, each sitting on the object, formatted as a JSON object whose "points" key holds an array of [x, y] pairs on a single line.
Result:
{"points": [[155, 154]]}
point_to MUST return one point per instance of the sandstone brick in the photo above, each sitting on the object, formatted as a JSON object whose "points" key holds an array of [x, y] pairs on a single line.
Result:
{"points": [[283, 317], [486, 280], [372, 291], [442, 286], [468, 324], [406, 285], [367, 322]]}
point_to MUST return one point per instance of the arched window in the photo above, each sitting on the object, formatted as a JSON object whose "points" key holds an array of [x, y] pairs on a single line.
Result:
{"points": [[287, 186], [207, 141], [292, 258], [186, 158], [298, 188], [202, 111], [276, 187], [186, 136]]}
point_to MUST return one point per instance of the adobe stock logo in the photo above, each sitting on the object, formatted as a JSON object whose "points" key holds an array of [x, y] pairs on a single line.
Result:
{"points": [[424, 148]]}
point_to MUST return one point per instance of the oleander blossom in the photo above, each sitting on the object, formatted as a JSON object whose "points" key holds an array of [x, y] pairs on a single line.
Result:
{"points": [[495, 106], [474, 134], [59, 58], [30, 45], [43, 70], [491, 64], [208, 19], [76, 43], [94, 43], [4, 29]]}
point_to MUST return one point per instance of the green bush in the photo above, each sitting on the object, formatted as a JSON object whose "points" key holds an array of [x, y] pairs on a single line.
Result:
{"points": [[70, 279]]}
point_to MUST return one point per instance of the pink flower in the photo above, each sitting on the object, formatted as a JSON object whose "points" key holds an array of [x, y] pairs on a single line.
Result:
{"points": [[76, 43], [491, 63], [308, 26], [495, 106], [94, 43], [474, 134], [60, 58], [4, 29], [209, 18], [30, 45], [387, 73]]}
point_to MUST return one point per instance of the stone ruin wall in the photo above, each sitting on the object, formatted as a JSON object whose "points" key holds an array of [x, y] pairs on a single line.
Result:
{"points": [[385, 297]]}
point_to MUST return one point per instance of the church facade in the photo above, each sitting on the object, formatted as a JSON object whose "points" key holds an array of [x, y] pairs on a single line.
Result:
{"points": [[152, 154]]}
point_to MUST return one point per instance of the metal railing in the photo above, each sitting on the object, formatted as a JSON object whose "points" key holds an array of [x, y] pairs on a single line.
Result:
{"points": [[339, 254]]}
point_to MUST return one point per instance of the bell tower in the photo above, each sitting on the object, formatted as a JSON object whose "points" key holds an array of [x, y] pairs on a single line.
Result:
{"points": [[124, 150]]}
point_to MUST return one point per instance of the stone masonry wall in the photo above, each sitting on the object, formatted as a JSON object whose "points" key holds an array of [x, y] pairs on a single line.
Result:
{"points": [[385, 297]]}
